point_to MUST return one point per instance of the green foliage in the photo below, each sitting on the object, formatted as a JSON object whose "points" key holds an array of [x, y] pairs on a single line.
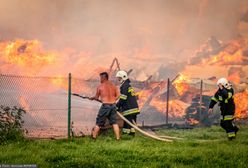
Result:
{"points": [[11, 123]]}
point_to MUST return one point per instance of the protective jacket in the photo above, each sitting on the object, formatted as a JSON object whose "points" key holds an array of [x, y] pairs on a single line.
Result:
{"points": [[226, 102], [127, 103]]}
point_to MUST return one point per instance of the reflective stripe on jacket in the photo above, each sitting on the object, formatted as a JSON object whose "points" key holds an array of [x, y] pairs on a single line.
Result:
{"points": [[225, 99]]}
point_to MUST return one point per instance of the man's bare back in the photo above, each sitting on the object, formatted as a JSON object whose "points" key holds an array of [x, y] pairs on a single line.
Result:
{"points": [[108, 92]]}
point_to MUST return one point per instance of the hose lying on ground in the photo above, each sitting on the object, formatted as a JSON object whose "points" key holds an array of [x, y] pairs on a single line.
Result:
{"points": [[141, 131], [162, 136]]}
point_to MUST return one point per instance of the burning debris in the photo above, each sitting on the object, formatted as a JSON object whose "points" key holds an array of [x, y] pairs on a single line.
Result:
{"points": [[211, 47], [197, 112], [230, 57], [218, 53]]}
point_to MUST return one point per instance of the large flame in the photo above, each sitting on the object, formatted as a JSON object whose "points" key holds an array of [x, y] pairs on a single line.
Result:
{"points": [[241, 102], [28, 58], [231, 54], [25, 55], [225, 58], [181, 84]]}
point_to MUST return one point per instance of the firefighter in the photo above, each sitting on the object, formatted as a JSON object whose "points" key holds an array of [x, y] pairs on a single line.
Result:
{"points": [[224, 96], [127, 103]]}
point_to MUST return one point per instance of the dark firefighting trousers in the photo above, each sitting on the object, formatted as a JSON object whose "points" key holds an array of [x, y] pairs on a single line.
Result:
{"points": [[127, 129], [226, 123]]}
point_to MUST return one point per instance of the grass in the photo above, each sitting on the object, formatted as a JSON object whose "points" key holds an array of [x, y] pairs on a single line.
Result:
{"points": [[202, 147]]}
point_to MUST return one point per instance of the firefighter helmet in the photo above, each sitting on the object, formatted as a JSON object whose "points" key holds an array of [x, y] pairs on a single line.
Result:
{"points": [[224, 82], [122, 75]]}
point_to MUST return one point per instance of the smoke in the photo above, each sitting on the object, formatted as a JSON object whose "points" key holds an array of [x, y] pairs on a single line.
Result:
{"points": [[155, 32]]}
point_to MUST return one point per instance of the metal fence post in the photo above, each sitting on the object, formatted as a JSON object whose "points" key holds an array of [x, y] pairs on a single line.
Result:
{"points": [[167, 101], [69, 106], [200, 110]]}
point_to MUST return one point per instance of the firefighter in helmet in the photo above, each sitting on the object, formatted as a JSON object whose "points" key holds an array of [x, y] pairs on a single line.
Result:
{"points": [[127, 103], [224, 96]]}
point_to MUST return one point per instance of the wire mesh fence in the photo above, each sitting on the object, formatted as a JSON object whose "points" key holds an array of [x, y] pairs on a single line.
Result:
{"points": [[83, 111], [45, 100]]}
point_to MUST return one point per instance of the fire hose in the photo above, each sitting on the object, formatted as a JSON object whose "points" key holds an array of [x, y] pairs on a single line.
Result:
{"points": [[141, 131], [165, 138]]}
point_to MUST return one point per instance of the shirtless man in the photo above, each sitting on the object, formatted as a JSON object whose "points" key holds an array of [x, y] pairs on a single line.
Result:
{"points": [[108, 94]]}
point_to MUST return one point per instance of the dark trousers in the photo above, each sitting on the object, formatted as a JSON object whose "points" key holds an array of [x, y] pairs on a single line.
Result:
{"points": [[229, 127], [126, 127]]}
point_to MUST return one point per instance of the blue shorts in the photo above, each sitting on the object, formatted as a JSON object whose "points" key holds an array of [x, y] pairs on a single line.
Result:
{"points": [[107, 111]]}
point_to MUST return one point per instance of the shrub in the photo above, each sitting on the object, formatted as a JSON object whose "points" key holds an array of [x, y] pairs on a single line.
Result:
{"points": [[11, 123]]}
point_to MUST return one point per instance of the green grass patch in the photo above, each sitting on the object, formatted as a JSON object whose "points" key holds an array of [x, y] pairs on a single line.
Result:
{"points": [[201, 147]]}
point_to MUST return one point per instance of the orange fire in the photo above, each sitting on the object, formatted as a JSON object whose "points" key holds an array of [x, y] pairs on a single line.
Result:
{"points": [[176, 107], [232, 54], [192, 121], [229, 62], [235, 78], [77, 86], [60, 82], [159, 105], [142, 97], [241, 102], [225, 58], [181, 84], [27, 55], [28, 58]]}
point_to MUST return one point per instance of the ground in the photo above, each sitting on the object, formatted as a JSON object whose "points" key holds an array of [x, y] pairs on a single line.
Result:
{"points": [[201, 147]]}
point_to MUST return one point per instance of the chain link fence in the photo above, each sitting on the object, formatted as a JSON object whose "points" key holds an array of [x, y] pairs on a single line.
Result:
{"points": [[83, 111], [43, 99], [46, 100]]}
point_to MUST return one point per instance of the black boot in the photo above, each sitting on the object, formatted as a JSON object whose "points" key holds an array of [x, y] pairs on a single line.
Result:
{"points": [[132, 133]]}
